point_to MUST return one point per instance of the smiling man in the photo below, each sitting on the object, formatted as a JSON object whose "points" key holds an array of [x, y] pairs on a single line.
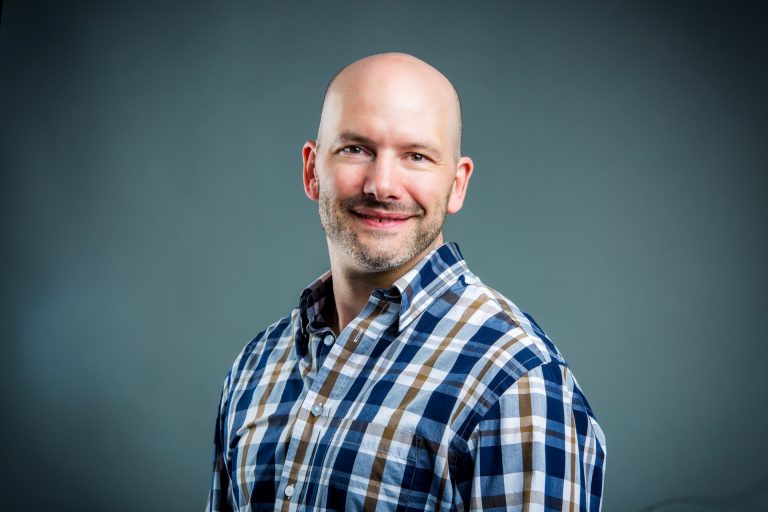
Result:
{"points": [[401, 381]]}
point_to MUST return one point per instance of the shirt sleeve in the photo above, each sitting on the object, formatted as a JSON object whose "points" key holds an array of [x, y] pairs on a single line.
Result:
{"points": [[538, 448], [219, 496]]}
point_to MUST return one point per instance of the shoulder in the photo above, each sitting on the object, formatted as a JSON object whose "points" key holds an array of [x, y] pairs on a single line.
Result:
{"points": [[275, 343], [503, 347], [529, 376], [504, 327]]}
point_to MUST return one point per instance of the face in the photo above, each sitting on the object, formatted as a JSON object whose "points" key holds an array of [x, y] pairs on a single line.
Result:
{"points": [[380, 235], [385, 174]]}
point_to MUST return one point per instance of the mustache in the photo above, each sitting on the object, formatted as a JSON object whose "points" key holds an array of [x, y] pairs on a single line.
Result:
{"points": [[387, 206]]}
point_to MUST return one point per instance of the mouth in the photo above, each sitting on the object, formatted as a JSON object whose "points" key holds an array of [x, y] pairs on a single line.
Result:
{"points": [[380, 219]]}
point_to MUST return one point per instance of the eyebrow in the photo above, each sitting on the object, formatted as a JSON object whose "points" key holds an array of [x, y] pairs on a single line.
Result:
{"points": [[361, 139]]}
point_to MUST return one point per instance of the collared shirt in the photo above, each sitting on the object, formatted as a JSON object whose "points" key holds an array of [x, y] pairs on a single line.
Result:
{"points": [[440, 395]]}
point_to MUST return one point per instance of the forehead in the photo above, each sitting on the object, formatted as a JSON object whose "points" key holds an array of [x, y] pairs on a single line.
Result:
{"points": [[382, 115], [387, 103]]}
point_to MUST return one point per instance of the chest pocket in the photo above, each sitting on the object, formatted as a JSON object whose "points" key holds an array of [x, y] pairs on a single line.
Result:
{"points": [[372, 468]]}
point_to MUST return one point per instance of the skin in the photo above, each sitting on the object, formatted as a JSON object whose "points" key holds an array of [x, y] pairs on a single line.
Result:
{"points": [[385, 170]]}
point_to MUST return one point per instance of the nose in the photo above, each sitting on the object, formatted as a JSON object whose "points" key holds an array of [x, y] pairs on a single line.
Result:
{"points": [[383, 181]]}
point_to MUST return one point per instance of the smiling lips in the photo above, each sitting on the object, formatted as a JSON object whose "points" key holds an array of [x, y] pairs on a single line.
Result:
{"points": [[380, 219]]}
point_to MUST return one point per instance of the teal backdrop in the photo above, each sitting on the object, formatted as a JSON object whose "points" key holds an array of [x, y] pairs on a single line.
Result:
{"points": [[153, 222]]}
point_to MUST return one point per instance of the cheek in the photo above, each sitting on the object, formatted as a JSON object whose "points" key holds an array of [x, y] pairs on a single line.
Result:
{"points": [[340, 184], [430, 194]]}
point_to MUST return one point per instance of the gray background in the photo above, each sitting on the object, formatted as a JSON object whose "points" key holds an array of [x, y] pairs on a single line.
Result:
{"points": [[153, 221]]}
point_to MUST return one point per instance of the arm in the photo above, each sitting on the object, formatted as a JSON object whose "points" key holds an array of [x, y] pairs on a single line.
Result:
{"points": [[220, 491], [538, 447]]}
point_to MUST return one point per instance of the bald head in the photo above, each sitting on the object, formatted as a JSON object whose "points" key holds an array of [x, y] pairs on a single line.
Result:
{"points": [[395, 80]]}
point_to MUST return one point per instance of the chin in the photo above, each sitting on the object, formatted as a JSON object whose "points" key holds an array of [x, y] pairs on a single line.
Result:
{"points": [[378, 260]]}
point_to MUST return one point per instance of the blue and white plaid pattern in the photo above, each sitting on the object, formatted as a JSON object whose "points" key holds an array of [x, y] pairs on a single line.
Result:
{"points": [[440, 395]]}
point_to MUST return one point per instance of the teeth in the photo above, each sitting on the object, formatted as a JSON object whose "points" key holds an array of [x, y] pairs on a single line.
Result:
{"points": [[380, 220]]}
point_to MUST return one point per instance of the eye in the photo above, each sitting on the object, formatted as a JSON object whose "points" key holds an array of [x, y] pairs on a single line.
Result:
{"points": [[352, 150], [418, 157]]}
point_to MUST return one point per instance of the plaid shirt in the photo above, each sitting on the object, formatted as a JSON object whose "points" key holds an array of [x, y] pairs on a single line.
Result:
{"points": [[440, 395]]}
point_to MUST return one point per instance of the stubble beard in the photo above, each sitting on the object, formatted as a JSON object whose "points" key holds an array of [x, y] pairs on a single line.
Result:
{"points": [[336, 224]]}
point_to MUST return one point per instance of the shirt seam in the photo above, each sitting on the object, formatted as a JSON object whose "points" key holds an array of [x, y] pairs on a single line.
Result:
{"points": [[493, 391]]}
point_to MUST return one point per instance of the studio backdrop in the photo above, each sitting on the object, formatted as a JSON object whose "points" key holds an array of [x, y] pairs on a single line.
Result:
{"points": [[153, 222]]}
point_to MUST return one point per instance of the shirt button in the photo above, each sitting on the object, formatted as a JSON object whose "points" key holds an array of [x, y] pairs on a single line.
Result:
{"points": [[317, 409], [289, 490], [329, 339]]}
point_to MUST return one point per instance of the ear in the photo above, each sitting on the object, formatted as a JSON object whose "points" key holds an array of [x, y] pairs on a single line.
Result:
{"points": [[460, 182], [309, 156]]}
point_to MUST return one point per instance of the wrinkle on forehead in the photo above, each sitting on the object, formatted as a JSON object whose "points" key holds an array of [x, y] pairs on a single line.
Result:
{"points": [[394, 74]]}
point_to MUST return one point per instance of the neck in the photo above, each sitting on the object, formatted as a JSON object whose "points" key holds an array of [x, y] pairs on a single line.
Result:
{"points": [[352, 286]]}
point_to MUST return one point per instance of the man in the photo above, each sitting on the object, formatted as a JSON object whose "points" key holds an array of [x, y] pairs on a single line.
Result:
{"points": [[401, 382]]}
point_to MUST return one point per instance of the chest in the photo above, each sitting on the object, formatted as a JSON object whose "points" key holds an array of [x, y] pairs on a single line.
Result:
{"points": [[359, 434]]}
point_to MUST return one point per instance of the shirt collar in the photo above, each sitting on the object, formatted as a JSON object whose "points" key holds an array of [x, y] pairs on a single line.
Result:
{"points": [[310, 309], [428, 280], [414, 291]]}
